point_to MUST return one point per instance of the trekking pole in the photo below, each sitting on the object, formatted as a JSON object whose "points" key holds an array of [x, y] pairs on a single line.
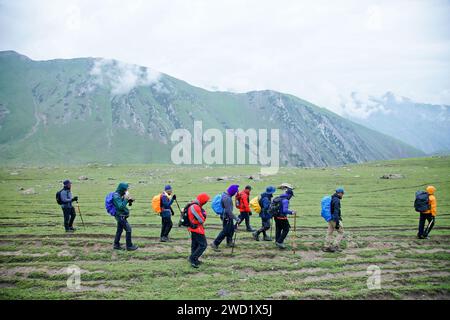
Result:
{"points": [[294, 243], [271, 228], [234, 241], [178, 207], [79, 212]]}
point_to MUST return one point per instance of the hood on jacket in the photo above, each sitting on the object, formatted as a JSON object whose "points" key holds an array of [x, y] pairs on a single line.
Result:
{"points": [[122, 188], [431, 189], [203, 198]]}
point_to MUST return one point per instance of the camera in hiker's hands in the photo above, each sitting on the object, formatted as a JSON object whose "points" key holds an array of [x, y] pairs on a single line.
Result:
{"points": [[75, 198], [130, 201], [174, 197]]}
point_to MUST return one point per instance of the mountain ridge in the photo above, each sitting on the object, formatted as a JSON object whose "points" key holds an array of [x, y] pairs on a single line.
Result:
{"points": [[44, 100]]}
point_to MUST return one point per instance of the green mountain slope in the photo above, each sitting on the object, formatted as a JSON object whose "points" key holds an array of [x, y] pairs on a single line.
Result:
{"points": [[86, 110]]}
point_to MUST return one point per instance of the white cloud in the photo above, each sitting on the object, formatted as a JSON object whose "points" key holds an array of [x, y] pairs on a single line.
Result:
{"points": [[317, 50], [120, 77]]}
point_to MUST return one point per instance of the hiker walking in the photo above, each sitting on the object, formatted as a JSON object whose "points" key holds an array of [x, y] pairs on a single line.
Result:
{"points": [[281, 211], [65, 200], [264, 202], [228, 218], [197, 218], [167, 200], [242, 203], [335, 224], [429, 214], [121, 200]]}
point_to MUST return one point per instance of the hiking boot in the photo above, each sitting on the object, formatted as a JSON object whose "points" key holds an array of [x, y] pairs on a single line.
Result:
{"points": [[163, 239], [132, 248], [328, 249], [231, 245], [280, 245], [195, 264], [72, 228], [215, 247], [267, 238], [69, 230], [118, 247], [250, 229], [256, 235]]}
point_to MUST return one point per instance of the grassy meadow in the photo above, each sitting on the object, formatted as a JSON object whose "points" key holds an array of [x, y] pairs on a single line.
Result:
{"points": [[378, 216]]}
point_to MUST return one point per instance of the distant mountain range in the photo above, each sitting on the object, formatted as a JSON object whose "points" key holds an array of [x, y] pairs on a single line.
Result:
{"points": [[424, 126], [91, 109]]}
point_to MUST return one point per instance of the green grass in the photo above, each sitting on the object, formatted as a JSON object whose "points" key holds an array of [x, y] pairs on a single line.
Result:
{"points": [[378, 217]]}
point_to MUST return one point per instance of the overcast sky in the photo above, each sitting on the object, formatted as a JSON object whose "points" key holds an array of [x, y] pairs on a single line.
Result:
{"points": [[318, 50]]}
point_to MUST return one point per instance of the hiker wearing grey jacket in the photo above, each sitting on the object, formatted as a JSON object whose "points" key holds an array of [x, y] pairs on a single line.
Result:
{"points": [[67, 207], [228, 218]]}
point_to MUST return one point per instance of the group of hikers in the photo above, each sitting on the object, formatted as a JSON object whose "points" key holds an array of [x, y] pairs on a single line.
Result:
{"points": [[193, 215]]}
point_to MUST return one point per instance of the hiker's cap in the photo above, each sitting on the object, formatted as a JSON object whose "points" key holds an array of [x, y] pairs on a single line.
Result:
{"points": [[340, 190], [66, 183], [167, 187], [248, 187], [290, 192], [270, 189]]}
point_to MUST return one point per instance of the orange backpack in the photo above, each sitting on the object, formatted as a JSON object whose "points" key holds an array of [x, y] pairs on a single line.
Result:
{"points": [[156, 203]]}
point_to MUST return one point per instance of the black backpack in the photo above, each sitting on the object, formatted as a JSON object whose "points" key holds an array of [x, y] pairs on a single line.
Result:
{"points": [[275, 207], [422, 203], [58, 197], [184, 219]]}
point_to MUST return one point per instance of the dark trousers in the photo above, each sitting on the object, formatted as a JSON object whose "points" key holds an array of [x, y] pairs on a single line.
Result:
{"points": [[422, 231], [166, 226], [265, 226], [69, 217], [282, 227], [198, 246], [122, 224], [227, 232], [245, 216]]}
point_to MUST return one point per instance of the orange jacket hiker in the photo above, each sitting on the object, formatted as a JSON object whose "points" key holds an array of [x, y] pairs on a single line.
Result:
{"points": [[196, 214], [432, 200]]}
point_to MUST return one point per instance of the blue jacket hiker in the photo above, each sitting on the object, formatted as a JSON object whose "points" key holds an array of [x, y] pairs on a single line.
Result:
{"points": [[228, 218], [264, 202], [167, 199], [121, 202]]}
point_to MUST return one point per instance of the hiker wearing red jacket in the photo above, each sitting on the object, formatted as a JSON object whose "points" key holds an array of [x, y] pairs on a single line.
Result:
{"points": [[197, 218], [242, 203]]}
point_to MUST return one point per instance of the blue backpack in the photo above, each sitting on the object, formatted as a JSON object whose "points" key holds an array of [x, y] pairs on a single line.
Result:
{"points": [[326, 208], [109, 205], [216, 204]]}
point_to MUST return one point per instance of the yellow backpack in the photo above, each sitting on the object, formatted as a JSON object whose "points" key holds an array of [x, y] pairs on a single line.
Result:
{"points": [[156, 203], [254, 204]]}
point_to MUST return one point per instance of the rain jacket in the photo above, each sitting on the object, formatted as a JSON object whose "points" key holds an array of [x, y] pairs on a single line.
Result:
{"points": [[119, 201], [196, 214], [66, 198], [166, 203], [243, 201], [284, 207], [335, 208], [432, 201], [266, 198]]}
